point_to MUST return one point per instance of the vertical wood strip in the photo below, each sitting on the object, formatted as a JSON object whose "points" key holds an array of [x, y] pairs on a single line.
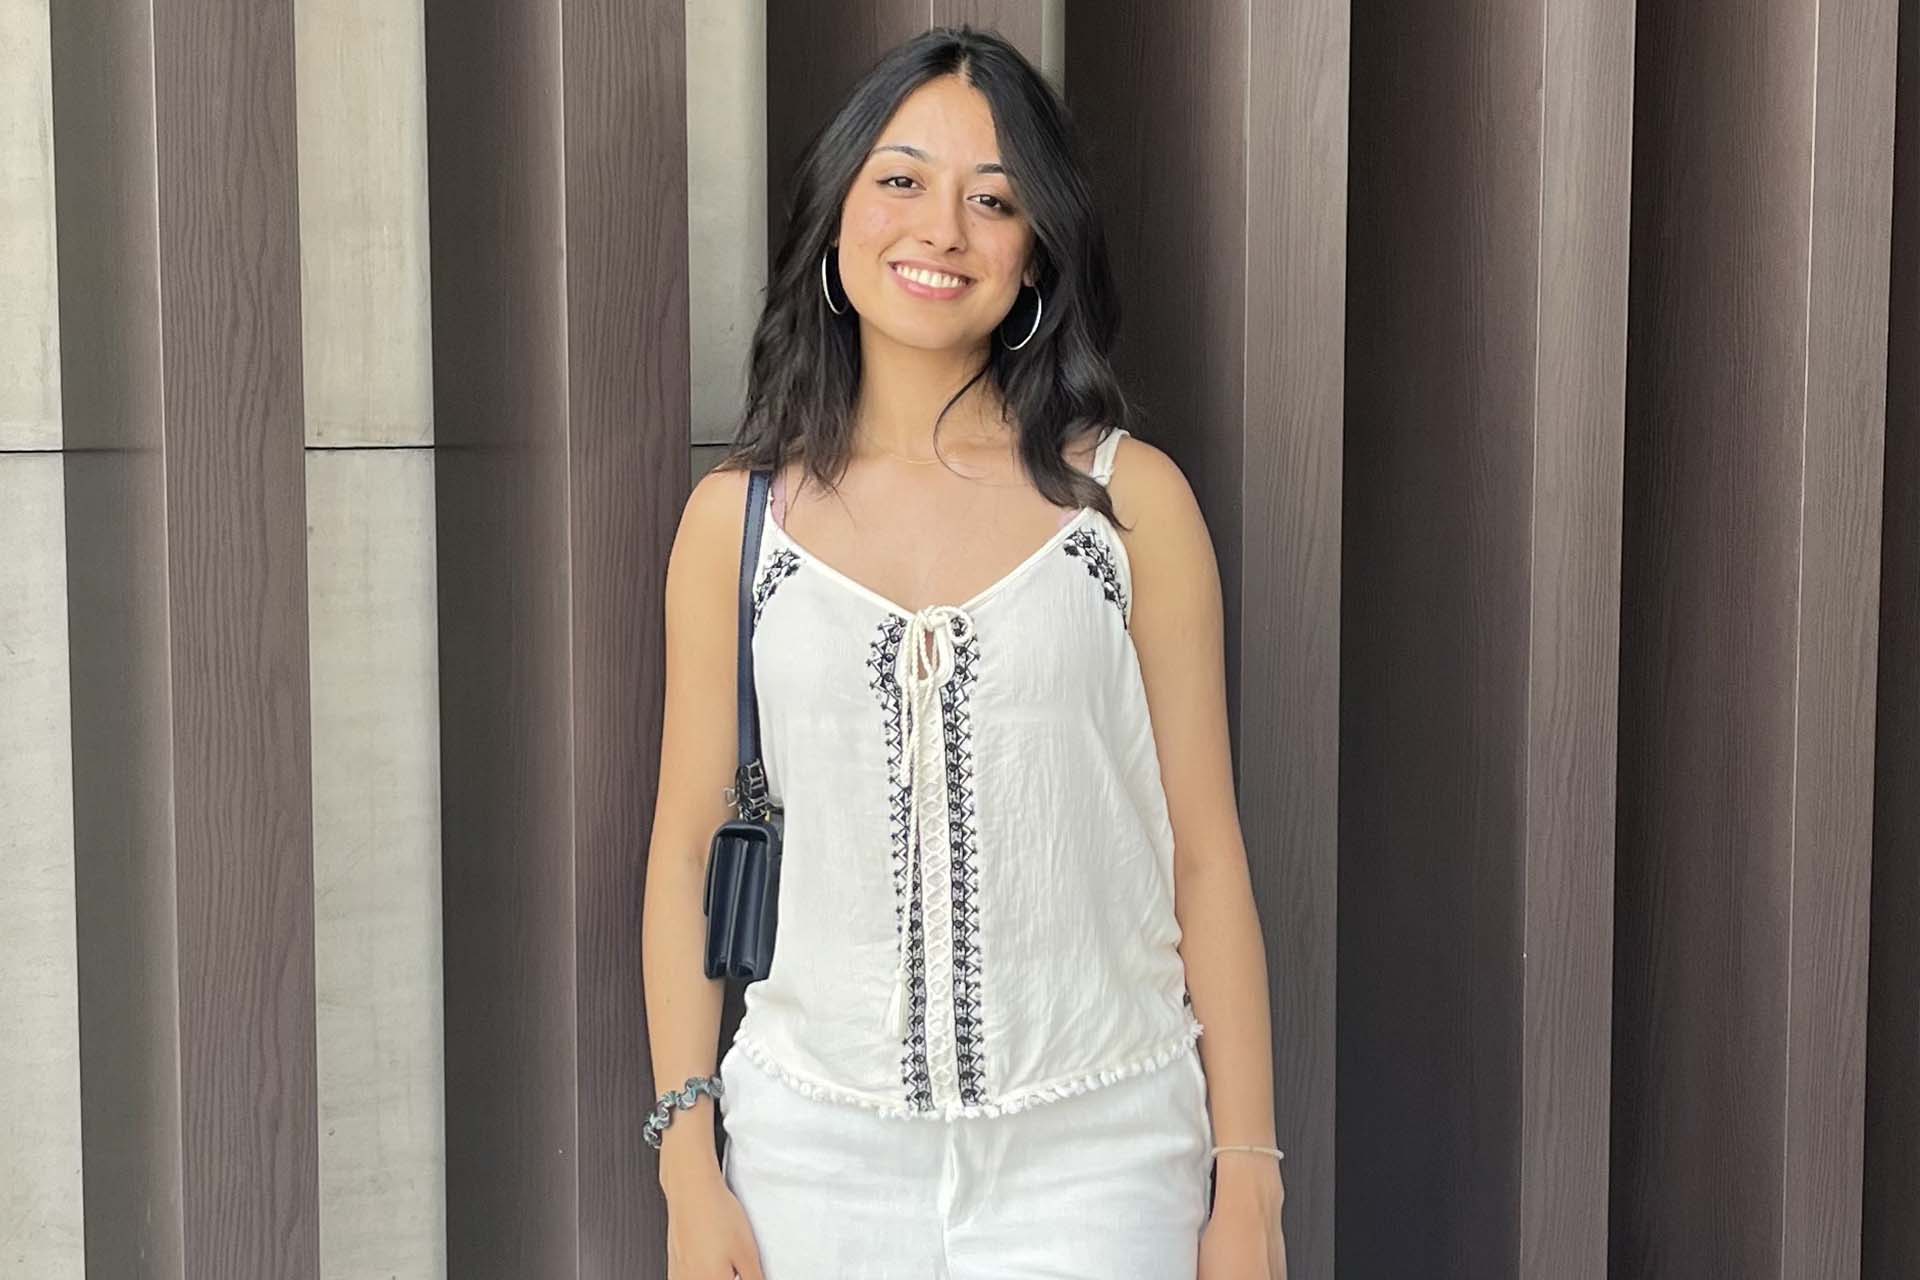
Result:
{"points": [[1572, 625], [1890, 1238], [1282, 523], [496, 157], [629, 394], [1749, 580], [125, 930], [1220, 166]]}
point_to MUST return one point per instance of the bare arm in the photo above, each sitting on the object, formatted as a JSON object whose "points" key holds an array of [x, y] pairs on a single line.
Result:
{"points": [[698, 754], [1177, 631]]}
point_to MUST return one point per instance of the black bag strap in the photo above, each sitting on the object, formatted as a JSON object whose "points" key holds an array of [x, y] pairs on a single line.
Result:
{"points": [[750, 782]]}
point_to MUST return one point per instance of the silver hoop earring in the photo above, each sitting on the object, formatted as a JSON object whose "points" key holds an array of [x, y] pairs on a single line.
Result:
{"points": [[1039, 306], [827, 292]]}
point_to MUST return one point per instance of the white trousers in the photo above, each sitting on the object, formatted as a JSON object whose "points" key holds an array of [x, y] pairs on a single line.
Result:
{"points": [[1113, 1183]]}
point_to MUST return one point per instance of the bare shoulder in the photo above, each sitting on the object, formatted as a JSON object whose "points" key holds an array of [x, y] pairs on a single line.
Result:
{"points": [[1152, 497], [703, 568]]}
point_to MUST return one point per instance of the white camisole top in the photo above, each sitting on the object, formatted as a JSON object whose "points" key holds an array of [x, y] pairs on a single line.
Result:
{"points": [[976, 896]]}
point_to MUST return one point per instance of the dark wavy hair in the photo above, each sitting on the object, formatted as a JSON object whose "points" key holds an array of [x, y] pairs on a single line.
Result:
{"points": [[805, 365]]}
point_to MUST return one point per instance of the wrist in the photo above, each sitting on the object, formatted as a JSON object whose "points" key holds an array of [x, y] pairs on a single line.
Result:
{"points": [[1247, 1178], [687, 1160], [686, 1150]]}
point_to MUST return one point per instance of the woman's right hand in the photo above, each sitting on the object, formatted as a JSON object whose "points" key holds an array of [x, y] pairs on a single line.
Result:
{"points": [[708, 1235]]}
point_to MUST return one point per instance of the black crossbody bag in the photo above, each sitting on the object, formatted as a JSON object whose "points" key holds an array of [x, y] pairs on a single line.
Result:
{"points": [[743, 868]]}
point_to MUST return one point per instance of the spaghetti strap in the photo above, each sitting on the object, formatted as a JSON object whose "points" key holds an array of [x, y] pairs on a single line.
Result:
{"points": [[1104, 454]]}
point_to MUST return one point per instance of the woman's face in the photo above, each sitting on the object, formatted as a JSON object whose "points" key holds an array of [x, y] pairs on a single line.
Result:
{"points": [[922, 198]]}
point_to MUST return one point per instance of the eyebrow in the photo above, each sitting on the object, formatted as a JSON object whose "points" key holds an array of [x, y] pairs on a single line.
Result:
{"points": [[989, 167]]}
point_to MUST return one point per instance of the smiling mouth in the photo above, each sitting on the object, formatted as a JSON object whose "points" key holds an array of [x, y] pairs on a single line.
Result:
{"points": [[929, 279]]}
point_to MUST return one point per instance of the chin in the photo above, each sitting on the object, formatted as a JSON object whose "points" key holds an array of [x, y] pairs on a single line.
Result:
{"points": [[926, 338]]}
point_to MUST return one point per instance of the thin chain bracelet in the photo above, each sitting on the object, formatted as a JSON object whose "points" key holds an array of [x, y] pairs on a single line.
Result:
{"points": [[1242, 1146], [686, 1098]]}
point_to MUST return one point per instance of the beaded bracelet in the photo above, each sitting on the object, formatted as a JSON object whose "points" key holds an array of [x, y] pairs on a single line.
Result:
{"points": [[1242, 1146], [686, 1098]]}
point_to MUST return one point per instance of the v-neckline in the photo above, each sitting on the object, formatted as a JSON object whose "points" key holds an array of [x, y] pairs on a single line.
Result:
{"points": [[979, 597]]}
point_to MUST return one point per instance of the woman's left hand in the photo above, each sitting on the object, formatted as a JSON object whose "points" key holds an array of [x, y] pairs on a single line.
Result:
{"points": [[1242, 1239]]}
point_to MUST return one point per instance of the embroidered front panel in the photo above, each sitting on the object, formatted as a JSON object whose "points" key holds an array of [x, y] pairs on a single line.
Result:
{"points": [[956, 716], [1094, 552], [781, 563], [915, 1074]]}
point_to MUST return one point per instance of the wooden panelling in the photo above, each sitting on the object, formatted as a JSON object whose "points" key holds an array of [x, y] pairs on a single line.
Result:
{"points": [[125, 931], [1890, 1238], [495, 162], [1485, 345], [1220, 167], [1749, 580], [627, 452], [1572, 622], [237, 636], [561, 466], [187, 608]]}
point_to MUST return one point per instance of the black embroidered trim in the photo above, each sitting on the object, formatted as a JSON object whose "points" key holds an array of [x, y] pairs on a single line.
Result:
{"points": [[1098, 556], [781, 563], [915, 1074], [956, 704]]}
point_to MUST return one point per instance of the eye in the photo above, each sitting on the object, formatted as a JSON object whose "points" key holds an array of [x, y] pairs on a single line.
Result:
{"points": [[998, 205]]}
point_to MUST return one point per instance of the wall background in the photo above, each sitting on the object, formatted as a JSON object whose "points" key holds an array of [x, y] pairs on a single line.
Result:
{"points": [[1547, 371]]}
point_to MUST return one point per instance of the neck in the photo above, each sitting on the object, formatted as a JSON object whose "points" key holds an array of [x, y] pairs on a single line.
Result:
{"points": [[903, 389]]}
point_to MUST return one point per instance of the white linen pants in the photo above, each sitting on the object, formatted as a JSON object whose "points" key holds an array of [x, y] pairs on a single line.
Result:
{"points": [[1112, 1183]]}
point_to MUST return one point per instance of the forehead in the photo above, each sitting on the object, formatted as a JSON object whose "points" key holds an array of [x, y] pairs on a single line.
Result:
{"points": [[944, 122]]}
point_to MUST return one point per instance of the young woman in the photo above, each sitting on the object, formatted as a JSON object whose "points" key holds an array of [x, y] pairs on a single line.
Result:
{"points": [[992, 703]]}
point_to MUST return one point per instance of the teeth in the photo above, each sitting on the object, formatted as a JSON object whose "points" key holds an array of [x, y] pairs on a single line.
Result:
{"points": [[932, 278]]}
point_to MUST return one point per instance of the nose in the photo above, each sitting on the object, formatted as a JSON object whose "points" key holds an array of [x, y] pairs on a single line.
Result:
{"points": [[943, 230]]}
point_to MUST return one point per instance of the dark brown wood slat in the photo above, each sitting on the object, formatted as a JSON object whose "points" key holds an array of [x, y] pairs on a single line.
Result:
{"points": [[629, 394], [496, 156], [187, 547], [1573, 637], [561, 398], [1020, 21], [1485, 343], [1757, 339], [1843, 451], [117, 620], [189, 593], [1220, 167], [237, 586], [1890, 1240]]}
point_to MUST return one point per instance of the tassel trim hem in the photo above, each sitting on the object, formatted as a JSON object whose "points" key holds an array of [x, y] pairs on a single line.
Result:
{"points": [[893, 1108]]}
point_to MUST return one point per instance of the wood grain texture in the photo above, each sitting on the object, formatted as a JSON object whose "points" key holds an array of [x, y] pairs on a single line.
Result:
{"points": [[229, 266], [1890, 1236], [1485, 346], [1216, 135], [629, 393], [561, 466], [1286, 677], [1586, 129], [1842, 452], [1750, 573], [496, 199], [1022, 22], [126, 936]]}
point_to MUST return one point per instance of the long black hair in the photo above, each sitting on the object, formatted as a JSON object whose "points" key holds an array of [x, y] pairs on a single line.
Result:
{"points": [[804, 370]]}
